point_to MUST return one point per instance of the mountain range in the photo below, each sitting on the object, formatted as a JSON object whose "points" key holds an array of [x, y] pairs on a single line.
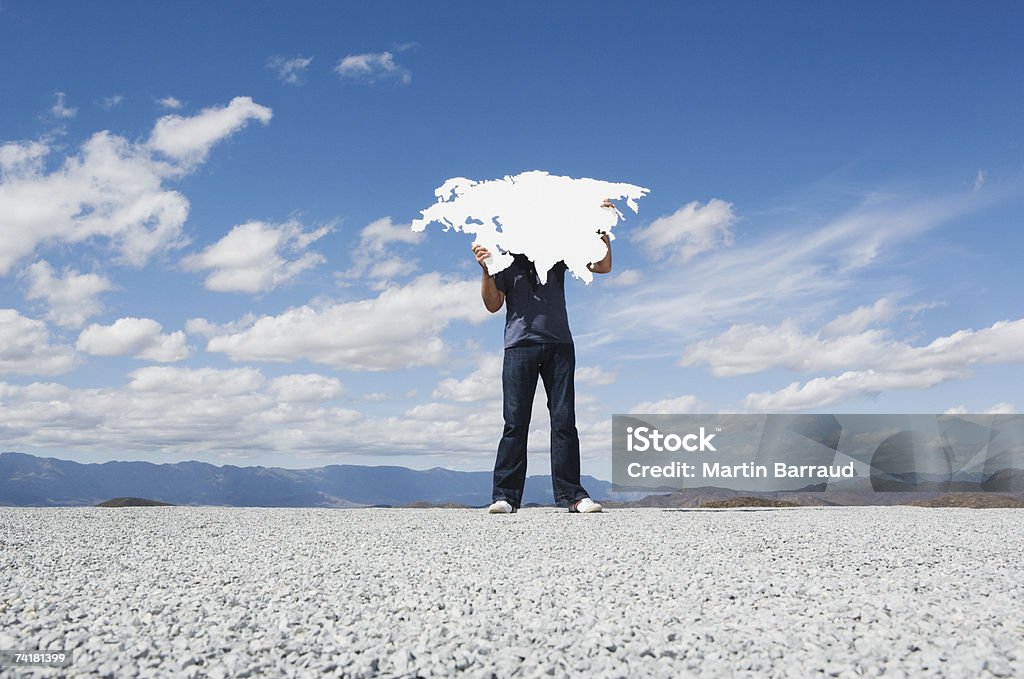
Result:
{"points": [[27, 480]]}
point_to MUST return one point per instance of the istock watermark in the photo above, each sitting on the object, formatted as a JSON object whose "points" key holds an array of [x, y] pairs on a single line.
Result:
{"points": [[642, 439], [814, 453]]}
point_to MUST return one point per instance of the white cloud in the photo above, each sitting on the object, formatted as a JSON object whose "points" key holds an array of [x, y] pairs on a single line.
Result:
{"points": [[172, 103], [794, 267], [979, 179], [624, 278], [997, 409], [256, 257], [745, 349], [60, 109], [877, 364], [378, 234], [689, 231], [291, 71], [483, 384], [825, 391], [679, 405], [110, 190], [861, 318], [25, 347], [139, 337], [72, 298], [235, 413], [240, 413], [594, 375], [204, 328], [190, 139], [305, 388], [399, 328], [371, 67], [373, 258], [20, 159]]}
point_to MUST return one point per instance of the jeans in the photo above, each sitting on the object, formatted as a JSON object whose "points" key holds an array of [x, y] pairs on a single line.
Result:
{"points": [[555, 364]]}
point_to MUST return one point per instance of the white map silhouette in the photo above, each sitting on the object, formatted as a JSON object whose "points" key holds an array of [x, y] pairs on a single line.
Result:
{"points": [[547, 218]]}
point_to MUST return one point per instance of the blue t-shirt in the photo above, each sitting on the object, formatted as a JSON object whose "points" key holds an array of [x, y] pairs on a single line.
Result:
{"points": [[534, 312]]}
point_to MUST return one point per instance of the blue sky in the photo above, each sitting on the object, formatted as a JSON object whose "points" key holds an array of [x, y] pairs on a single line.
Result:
{"points": [[204, 212]]}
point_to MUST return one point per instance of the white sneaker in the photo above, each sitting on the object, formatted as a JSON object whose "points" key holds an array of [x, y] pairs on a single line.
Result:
{"points": [[585, 506], [501, 507]]}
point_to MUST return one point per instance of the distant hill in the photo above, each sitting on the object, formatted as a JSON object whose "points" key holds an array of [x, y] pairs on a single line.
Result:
{"points": [[133, 502], [1005, 480], [971, 501], [27, 480], [746, 501]]}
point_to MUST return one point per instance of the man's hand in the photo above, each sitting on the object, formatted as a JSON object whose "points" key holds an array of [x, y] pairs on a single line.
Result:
{"points": [[481, 253], [492, 296]]}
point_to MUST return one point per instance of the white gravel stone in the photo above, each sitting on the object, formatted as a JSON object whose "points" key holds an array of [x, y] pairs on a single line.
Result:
{"points": [[225, 592]]}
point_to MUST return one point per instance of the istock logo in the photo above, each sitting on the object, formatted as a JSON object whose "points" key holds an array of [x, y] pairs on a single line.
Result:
{"points": [[642, 439]]}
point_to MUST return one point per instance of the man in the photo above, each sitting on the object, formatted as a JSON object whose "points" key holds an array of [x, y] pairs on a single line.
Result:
{"points": [[537, 344]]}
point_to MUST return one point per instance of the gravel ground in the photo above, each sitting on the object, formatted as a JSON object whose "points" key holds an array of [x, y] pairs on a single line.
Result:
{"points": [[225, 592]]}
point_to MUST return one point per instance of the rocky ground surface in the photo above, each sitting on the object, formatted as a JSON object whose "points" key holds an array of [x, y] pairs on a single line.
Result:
{"points": [[222, 592]]}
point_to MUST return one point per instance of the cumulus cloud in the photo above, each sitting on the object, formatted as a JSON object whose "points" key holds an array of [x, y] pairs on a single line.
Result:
{"points": [[60, 109], [257, 257], [25, 347], [172, 409], [483, 384], [19, 159], [873, 362], [111, 190], [399, 328], [751, 348], [378, 234], [679, 405], [305, 388], [371, 67], [138, 337], [689, 231], [190, 139], [72, 298], [290, 70], [374, 259], [235, 412]]}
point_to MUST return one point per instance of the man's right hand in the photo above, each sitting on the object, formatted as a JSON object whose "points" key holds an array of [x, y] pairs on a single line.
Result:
{"points": [[493, 298], [481, 253]]}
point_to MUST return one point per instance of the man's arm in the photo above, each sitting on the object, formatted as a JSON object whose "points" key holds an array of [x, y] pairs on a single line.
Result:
{"points": [[605, 265], [492, 296]]}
